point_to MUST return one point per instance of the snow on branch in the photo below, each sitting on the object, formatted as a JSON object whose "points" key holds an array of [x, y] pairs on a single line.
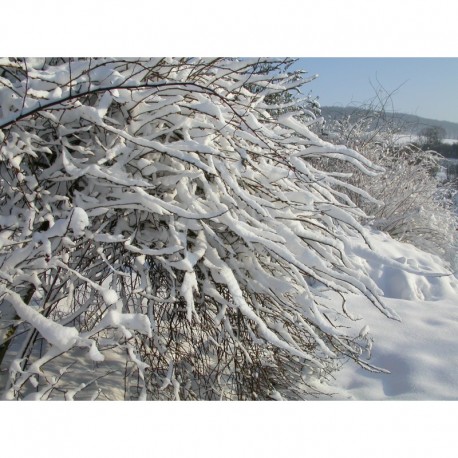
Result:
{"points": [[170, 208]]}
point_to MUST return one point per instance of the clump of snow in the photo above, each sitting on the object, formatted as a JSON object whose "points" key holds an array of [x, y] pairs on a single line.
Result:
{"points": [[61, 337], [110, 296], [132, 321], [79, 220]]}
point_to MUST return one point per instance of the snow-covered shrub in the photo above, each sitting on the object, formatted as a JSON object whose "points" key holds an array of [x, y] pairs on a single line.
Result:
{"points": [[413, 205], [154, 209]]}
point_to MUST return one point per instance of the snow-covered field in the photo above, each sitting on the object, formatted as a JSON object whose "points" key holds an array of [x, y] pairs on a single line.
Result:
{"points": [[421, 351], [402, 139], [411, 138]]}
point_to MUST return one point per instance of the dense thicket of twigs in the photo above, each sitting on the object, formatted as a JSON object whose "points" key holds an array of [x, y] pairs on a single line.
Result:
{"points": [[170, 211], [414, 205]]}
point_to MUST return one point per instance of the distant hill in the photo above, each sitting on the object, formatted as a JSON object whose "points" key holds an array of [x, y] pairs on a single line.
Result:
{"points": [[409, 124]]}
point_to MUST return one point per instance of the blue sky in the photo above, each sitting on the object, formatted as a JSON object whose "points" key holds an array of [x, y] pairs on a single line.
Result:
{"points": [[427, 87]]}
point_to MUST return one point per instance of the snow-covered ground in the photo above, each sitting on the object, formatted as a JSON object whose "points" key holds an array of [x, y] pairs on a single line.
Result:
{"points": [[421, 351], [404, 138]]}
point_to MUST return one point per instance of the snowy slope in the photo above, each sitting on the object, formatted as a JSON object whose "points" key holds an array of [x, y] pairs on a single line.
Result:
{"points": [[421, 351]]}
